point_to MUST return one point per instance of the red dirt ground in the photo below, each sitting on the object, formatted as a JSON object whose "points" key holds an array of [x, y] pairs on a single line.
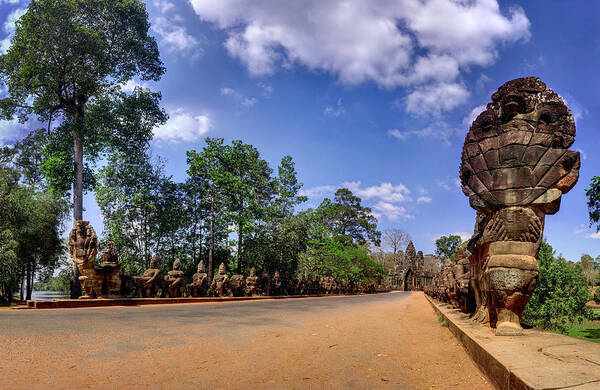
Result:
{"points": [[389, 344]]}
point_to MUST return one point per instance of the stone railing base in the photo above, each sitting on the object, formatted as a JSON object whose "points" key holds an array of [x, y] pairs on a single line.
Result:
{"points": [[537, 360]]}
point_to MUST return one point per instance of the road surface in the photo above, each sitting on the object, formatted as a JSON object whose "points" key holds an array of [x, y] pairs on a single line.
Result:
{"points": [[388, 341]]}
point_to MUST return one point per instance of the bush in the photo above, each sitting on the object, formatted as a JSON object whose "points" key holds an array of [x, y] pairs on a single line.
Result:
{"points": [[597, 296], [329, 257], [560, 296]]}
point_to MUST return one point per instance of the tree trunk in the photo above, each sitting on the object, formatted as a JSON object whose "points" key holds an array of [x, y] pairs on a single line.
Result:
{"points": [[211, 241], [30, 277], [21, 295], [240, 238], [77, 176]]}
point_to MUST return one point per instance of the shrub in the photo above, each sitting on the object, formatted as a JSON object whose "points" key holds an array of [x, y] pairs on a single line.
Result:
{"points": [[560, 296], [597, 295]]}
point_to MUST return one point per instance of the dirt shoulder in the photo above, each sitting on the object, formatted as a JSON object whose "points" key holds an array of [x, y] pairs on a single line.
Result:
{"points": [[380, 343]]}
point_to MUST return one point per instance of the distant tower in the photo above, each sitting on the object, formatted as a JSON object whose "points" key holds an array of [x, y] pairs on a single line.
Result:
{"points": [[410, 256]]}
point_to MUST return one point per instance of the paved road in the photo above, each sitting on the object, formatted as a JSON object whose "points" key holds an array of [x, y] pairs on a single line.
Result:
{"points": [[386, 340]]}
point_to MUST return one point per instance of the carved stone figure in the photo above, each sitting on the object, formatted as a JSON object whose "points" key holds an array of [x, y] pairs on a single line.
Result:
{"points": [[175, 284], [515, 167], [252, 283], [237, 285], [264, 284], [148, 284], [462, 291], [220, 284], [276, 284], [199, 286], [83, 248], [110, 271]]}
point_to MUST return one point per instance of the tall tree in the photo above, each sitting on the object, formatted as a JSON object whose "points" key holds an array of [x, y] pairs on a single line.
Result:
{"points": [[593, 195], [395, 239], [66, 62], [446, 246], [206, 170], [347, 219], [249, 190]]}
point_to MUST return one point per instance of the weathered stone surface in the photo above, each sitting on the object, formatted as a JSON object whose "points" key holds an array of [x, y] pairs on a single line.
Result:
{"points": [[252, 283], [220, 284], [175, 284], [524, 136], [199, 286], [102, 281], [149, 283], [409, 271]]}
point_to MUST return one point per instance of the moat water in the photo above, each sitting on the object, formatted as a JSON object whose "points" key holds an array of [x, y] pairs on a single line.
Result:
{"points": [[48, 295]]}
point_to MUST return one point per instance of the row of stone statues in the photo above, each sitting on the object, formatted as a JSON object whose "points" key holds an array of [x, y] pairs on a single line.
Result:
{"points": [[515, 168], [106, 280], [150, 284]]}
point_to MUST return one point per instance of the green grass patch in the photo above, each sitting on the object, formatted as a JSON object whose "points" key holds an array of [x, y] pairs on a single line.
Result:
{"points": [[442, 321], [589, 330]]}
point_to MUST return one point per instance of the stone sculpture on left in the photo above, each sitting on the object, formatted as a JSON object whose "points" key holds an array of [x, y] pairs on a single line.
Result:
{"points": [[83, 248]]}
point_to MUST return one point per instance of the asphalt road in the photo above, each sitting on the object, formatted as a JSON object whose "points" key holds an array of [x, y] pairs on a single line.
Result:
{"points": [[370, 341]]}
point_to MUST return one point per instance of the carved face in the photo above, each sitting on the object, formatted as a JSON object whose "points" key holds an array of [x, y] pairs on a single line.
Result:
{"points": [[276, 274], [176, 265], [154, 262], [252, 271], [222, 269], [201, 267], [265, 274], [81, 227], [516, 150]]}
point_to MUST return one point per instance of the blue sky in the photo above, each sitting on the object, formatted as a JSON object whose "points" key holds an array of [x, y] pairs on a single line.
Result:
{"points": [[375, 96]]}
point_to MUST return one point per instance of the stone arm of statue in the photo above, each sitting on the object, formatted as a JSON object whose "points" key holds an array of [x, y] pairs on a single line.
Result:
{"points": [[152, 279]]}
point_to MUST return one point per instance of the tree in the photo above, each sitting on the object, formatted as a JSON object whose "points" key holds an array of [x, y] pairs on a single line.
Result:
{"points": [[560, 296], [249, 188], [589, 269], [446, 246], [67, 61], [395, 239], [593, 195], [348, 220], [206, 169]]}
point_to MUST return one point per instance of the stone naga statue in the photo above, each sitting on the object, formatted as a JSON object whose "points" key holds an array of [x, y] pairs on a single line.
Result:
{"points": [[83, 248], [515, 167]]}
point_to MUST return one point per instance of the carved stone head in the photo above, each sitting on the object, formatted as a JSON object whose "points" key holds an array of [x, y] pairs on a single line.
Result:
{"points": [[265, 274], [222, 269], [252, 271], [516, 152], [154, 262], [201, 267], [276, 275], [176, 265]]}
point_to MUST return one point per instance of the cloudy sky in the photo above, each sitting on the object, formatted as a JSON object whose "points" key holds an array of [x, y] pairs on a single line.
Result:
{"points": [[376, 96]]}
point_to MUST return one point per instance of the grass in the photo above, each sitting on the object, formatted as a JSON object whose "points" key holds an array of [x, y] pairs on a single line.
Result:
{"points": [[589, 330], [442, 321]]}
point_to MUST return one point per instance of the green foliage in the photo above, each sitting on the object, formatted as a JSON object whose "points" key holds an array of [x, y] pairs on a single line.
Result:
{"points": [[348, 220], [590, 268], [66, 63], [560, 296], [350, 264], [597, 296], [446, 246], [60, 282], [593, 195]]}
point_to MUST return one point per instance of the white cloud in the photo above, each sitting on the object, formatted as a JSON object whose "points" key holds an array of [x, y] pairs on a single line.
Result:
{"points": [[390, 43], [424, 199], [183, 127], [131, 84], [173, 36], [437, 130], [9, 130], [468, 120], [449, 184], [336, 110], [385, 191], [10, 26], [267, 88], [433, 99], [243, 100], [595, 236], [317, 192], [11, 19], [390, 211]]}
